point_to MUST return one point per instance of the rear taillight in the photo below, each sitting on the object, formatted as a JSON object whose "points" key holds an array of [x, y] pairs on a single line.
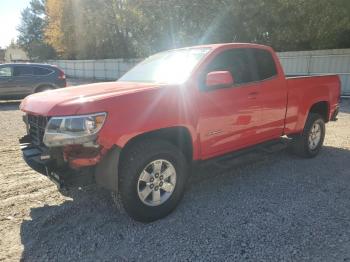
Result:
{"points": [[61, 76]]}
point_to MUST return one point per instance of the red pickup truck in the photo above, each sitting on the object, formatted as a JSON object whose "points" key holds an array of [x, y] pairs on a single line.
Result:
{"points": [[139, 136]]}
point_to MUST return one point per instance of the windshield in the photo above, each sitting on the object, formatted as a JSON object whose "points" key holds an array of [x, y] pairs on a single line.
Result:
{"points": [[170, 67]]}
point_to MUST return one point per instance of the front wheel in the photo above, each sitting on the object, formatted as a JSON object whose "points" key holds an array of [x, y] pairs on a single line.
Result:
{"points": [[309, 143], [152, 179]]}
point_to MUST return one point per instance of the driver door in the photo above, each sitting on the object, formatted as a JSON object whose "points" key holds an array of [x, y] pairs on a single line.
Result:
{"points": [[229, 117]]}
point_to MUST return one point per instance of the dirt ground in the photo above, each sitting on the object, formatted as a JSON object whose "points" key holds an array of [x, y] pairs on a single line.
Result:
{"points": [[278, 208]]}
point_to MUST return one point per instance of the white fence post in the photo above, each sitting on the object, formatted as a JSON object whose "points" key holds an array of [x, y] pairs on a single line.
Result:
{"points": [[309, 64]]}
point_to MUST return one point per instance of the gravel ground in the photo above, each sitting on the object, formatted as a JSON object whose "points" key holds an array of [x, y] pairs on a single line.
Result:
{"points": [[277, 208]]}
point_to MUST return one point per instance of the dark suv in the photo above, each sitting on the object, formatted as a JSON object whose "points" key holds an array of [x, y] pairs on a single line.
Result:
{"points": [[25, 79]]}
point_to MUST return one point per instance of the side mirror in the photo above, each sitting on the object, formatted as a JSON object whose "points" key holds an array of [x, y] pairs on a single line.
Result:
{"points": [[219, 79]]}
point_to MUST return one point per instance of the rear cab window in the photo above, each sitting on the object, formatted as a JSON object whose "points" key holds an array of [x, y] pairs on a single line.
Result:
{"points": [[265, 64]]}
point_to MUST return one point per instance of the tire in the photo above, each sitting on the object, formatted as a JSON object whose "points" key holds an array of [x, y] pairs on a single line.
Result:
{"points": [[302, 146], [143, 162]]}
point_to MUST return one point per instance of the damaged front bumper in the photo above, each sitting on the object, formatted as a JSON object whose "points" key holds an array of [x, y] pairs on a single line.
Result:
{"points": [[51, 164], [71, 167]]}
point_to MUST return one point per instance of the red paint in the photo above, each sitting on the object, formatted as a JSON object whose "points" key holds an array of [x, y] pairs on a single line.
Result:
{"points": [[79, 156], [219, 79], [218, 120]]}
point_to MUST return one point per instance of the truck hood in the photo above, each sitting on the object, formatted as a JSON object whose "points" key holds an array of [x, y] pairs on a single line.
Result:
{"points": [[67, 101]]}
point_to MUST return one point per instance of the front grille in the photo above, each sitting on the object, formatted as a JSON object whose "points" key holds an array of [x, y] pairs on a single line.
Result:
{"points": [[36, 128]]}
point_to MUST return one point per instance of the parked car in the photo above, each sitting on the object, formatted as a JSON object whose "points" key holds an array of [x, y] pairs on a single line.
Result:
{"points": [[139, 136], [24, 79]]}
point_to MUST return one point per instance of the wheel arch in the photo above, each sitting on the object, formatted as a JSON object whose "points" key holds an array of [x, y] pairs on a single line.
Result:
{"points": [[38, 87], [107, 171], [179, 136], [321, 108]]}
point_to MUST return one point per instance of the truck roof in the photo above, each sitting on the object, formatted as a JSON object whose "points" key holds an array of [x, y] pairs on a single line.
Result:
{"points": [[214, 46]]}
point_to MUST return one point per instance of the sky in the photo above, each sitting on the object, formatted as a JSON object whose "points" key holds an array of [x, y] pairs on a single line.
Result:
{"points": [[10, 17]]}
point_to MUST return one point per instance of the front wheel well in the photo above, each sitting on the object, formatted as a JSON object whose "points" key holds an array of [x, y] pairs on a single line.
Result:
{"points": [[178, 136], [321, 108]]}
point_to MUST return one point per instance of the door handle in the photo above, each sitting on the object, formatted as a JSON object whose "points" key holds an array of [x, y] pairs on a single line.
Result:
{"points": [[253, 95]]}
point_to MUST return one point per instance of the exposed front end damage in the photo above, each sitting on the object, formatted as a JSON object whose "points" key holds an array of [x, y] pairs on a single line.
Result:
{"points": [[68, 165]]}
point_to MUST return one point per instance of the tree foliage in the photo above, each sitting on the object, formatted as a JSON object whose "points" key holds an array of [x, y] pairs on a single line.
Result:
{"points": [[91, 29], [31, 31]]}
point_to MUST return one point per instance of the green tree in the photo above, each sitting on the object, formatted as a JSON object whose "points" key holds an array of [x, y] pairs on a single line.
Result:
{"points": [[93, 29], [31, 32]]}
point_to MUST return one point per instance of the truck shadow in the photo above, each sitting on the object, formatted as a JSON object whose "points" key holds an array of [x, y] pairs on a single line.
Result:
{"points": [[273, 198]]}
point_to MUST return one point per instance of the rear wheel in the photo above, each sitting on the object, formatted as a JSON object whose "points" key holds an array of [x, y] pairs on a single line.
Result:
{"points": [[44, 88], [152, 179], [309, 143]]}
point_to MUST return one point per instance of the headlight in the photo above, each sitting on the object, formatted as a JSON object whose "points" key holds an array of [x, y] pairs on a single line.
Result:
{"points": [[70, 130]]}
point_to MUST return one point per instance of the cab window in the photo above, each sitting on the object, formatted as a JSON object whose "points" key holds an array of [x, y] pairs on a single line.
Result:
{"points": [[237, 62], [265, 64]]}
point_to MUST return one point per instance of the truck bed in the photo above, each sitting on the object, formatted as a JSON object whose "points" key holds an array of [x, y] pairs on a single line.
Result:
{"points": [[305, 91]]}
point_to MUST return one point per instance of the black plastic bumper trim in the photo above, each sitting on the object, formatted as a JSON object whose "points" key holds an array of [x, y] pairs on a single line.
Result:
{"points": [[62, 177]]}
